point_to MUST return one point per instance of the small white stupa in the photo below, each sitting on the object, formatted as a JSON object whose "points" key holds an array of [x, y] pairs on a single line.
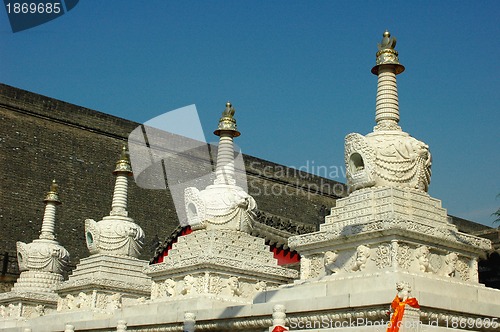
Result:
{"points": [[389, 230], [219, 259], [112, 276], [43, 264]]}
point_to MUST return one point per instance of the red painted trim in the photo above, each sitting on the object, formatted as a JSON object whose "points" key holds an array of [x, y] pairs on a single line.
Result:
{"points": [[184, 231], [285, 256]]}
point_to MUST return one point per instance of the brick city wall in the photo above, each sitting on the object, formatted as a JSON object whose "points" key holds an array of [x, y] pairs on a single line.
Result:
{"points": [[43, 139]]}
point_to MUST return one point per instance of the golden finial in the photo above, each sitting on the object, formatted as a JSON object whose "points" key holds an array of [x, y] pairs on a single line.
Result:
{"points": [[52, 195], [227, 122], [387, 55], [123, 165]]}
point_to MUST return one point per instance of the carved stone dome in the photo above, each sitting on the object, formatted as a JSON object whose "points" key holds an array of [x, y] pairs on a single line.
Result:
{"points": [[42, 255], [114, 235]]}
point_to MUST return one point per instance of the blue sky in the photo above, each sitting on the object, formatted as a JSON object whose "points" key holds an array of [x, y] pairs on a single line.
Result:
{"points": [[297, 72]]}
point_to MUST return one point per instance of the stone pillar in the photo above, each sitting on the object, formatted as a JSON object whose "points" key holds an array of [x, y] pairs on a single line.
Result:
{"points": [[69, 328], [121, 326], [189, 322], [279, 319], [411, 320]]}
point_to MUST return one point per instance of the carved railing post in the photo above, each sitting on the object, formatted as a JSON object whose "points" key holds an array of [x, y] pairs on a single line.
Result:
{"points": [[189, 322]]}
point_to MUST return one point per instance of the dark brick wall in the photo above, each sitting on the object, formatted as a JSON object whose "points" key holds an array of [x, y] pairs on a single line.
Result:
{"points": [[43, 139]]}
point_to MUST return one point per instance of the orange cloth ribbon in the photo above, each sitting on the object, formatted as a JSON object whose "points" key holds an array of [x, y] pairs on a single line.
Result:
{"points": [[280, 328], [399, 309]]}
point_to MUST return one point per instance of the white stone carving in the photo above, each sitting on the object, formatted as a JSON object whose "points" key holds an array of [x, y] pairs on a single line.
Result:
{"points": [[188, 285], [422, 255], [116, 234], [362, 255], [189, 322], [279, 318], [387, 159], [329, 259], [450, 263], [234, 286], [114, 302], [223, 205], [69, 328], [260, 286], [383, 256], [219, 207], [403, 290], [121, 326], [387, 156], [226, 263], [44, 254]]}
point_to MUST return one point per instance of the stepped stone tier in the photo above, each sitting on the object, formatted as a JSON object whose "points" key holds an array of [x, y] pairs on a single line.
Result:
{"points": [[43, 263], [112, 275], [219, 259]]}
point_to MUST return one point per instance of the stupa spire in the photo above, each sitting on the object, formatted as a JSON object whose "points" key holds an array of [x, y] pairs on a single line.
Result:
{"points": [[116, 234], [49, 218], [122, 171], [386, 68], [45, 253], [223, 205], [225, 156]]}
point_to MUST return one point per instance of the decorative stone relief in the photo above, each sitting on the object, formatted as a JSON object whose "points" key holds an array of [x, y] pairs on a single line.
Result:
{"points": [[233, 284], [10, 311], [42, 255], [462, 269], [32, 311], [114, 236], [387, 160], [435, 262], [362, 255], [114, 302], [329, 259], [450, 263], [404, 256], [216, 285], [95, 300], [189, 285], [383, 256], [316, 266], [404, 227], [219, 207], [422, 255], [360, 162], [260, 286]]}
